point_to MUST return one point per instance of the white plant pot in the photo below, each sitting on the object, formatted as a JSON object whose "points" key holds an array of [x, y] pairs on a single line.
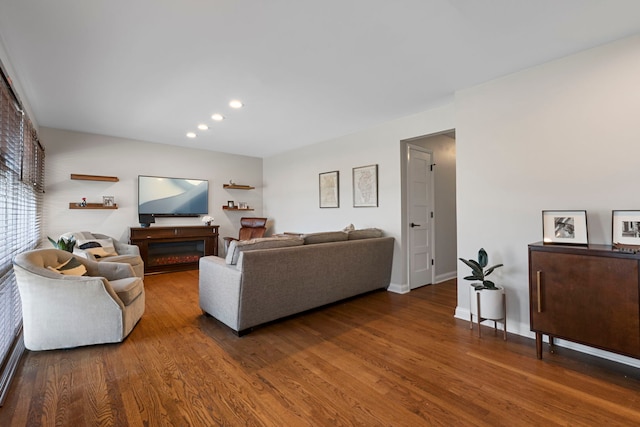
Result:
{"points": [[491, 302]]}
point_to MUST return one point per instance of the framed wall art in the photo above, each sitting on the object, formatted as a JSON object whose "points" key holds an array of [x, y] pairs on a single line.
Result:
{"points": [[625, 228], [108, 201], [329, 189], [565, 227], [365, 186]]}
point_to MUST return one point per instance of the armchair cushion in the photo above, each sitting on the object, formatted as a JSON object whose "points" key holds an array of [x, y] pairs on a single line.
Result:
{"points": [[127, 289], [99, 248], [71, 267]]}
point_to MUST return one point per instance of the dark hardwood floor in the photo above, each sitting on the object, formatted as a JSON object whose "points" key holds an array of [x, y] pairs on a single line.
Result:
{"points": [[378, 360]]}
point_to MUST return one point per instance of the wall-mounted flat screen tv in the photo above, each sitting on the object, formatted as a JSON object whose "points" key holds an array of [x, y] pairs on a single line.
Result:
{"points": [[163, 196]]}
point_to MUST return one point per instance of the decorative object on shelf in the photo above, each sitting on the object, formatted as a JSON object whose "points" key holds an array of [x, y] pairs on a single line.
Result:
{"points": [[625, 230], [231, 183], [63, 243], [208, 220], [329, 189], [365, 186], [146, 220], [486, 300], [243, 205], [231, 204], [83, 203], [565, 227], [108, 201]]}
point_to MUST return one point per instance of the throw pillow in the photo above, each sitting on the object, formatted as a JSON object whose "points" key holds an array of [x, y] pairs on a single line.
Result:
{"points": [[72, 267], [99, 248], [366, 233], [324, 237], [240, 246], [231, 250]]}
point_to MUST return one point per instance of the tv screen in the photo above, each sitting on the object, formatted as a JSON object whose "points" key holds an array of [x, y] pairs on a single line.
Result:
{"points": [[162, 196]]}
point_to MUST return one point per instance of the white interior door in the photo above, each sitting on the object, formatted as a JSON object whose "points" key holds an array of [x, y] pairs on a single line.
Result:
{"points": [[420, 212]]}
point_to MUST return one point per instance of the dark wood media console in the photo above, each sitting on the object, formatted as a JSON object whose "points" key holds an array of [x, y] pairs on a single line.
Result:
{"points": [[589, 295], [177, 248]]}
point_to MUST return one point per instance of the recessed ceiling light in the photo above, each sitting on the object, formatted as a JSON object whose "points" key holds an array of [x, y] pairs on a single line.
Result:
{"points": [[191, 134], [217, 117], [235, 104], [202, 126]]}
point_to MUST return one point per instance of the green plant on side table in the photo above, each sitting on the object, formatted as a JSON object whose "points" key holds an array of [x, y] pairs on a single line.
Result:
{"points": [[487, 301], [64, 244]]}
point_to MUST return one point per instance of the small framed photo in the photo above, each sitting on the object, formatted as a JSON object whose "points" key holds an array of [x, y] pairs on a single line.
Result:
{"points": [[329, 189], [625, 227], [565, 227], [231, 204], [108, 201], [365, 186]]}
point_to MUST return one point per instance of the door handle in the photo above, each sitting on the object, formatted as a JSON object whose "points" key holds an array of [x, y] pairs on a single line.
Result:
{"points": [[539, 289], [414, 225]]}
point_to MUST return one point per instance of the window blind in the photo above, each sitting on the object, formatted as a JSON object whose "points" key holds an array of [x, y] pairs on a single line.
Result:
{"points": [[21, 200]]}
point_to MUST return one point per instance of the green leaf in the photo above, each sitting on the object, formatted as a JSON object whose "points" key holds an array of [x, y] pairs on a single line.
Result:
{"points": [[489, 284], [483, 258], [475, 267], [490, 269]]}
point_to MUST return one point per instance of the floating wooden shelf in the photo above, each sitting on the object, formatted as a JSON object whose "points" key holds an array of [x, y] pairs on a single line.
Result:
{"points": [[227, 208], [73, 205], [237, 187], [94, 177]]}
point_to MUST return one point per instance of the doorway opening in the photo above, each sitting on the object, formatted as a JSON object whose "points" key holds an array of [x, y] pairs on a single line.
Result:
{"points": [[429, 206]]}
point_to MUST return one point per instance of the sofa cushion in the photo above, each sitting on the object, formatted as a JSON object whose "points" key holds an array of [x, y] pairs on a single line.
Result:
{"points": [[71, 267], [238, 246], [128, 288], [324, 237], [99, 248], [365, 233]]}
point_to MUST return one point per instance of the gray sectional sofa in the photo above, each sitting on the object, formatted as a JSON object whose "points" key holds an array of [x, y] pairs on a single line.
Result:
{"points": [[267, 279]]}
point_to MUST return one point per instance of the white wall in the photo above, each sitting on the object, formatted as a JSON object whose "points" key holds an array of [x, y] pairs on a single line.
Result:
{"points": [[563, 135], [291, 180], [73, 152]]}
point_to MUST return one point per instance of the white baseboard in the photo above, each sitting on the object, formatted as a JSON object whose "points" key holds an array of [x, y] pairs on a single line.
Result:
{"points": [[444, 277], [397, 288], [525, 331]]}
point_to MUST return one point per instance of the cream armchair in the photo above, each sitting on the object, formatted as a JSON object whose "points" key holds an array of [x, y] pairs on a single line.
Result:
{"points": [[62, 311], [109, 249]]}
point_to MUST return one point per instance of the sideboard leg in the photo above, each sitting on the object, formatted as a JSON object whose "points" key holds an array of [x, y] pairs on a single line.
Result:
{"points": [[539, 345]]}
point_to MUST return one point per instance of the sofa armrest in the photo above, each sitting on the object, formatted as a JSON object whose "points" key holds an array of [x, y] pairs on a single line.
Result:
{"points": [[126, 249], [219, 290]]}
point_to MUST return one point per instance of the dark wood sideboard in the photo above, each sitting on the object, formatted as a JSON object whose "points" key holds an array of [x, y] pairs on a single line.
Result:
{"points": [[585, 294], [176, 248]]}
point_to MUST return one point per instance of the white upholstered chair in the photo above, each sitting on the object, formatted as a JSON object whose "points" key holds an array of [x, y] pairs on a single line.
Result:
{"points": [[64, 310], [100, 247]]}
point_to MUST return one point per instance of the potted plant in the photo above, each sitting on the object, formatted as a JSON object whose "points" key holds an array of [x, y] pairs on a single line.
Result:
{"points": [[63, 243], [483, 291]]}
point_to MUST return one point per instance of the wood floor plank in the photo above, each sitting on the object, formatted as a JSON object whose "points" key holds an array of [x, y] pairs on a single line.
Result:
{"points": [[382, 359]]}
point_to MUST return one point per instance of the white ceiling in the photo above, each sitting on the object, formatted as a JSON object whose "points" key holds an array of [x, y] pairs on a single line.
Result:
{"points": [[307, 70]]}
